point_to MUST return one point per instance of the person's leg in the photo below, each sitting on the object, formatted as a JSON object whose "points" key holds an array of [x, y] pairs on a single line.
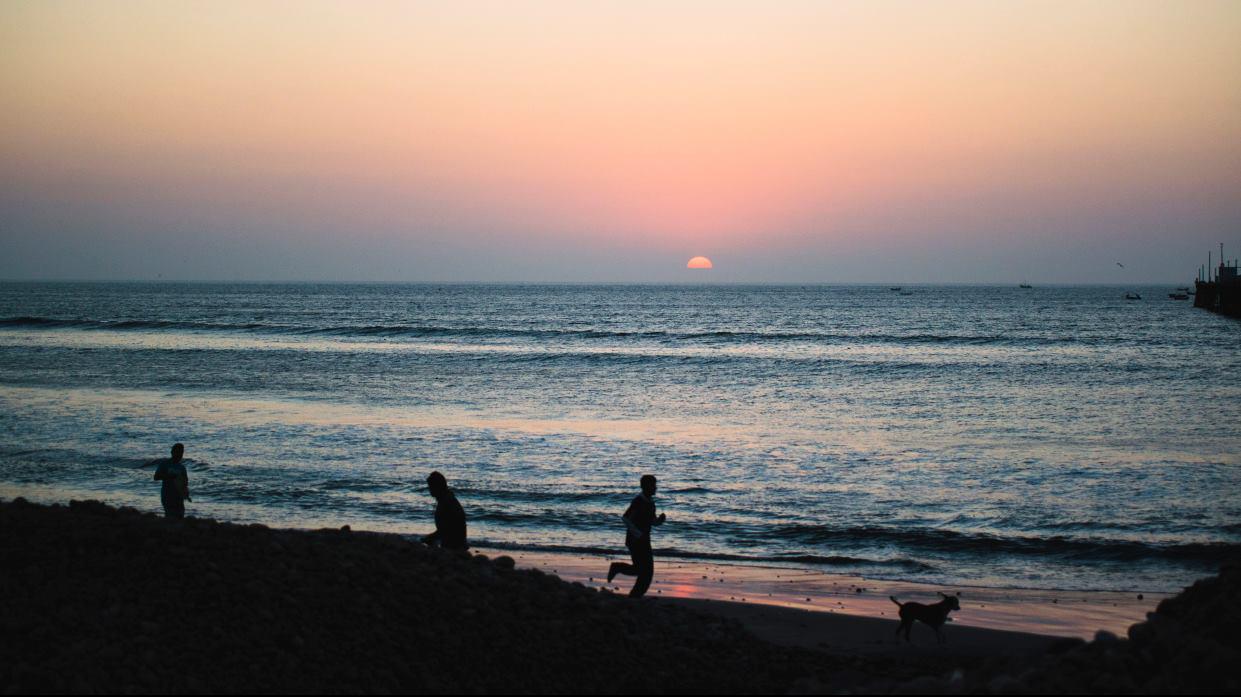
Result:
{"points": [[174, 507], [619, 567], [644, 560]]}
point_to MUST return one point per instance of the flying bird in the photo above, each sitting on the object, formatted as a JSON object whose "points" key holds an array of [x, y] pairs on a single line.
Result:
{"points": [[1120, 265]]}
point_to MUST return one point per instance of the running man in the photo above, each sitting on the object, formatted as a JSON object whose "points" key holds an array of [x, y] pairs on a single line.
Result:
{"points": [[176, 489], [638, 522]]}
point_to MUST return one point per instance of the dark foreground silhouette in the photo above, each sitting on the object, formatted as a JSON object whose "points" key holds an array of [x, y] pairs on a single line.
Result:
{"points": [[98, 599], [95, 598]]}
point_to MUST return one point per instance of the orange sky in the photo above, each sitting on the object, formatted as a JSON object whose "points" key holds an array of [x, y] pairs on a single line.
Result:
{"points": [[606, 131]]}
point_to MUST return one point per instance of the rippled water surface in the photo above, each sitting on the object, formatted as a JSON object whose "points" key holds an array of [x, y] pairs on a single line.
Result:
{"points": [[1052, 437]]}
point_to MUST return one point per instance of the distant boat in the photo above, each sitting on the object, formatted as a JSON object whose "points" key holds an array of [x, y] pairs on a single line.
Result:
{"points": [[1132, 296], [1025, 285], [1179, 296], [895, 288]]}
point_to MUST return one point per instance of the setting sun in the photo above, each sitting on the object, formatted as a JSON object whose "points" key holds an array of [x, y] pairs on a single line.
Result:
{"points": [[699, 263]]}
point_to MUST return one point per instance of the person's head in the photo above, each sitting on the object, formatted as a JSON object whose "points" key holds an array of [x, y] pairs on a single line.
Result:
{"points": [[648, 484], [178, 451], [437, 484]]}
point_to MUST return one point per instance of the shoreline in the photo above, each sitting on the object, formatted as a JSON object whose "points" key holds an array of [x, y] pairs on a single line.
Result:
{"points": [[1065, 614], [148, 502], [1057, 613], [1049, 612]]}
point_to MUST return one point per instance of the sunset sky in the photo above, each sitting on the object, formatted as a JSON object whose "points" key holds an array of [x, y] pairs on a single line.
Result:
{"points": [[613, 141]]}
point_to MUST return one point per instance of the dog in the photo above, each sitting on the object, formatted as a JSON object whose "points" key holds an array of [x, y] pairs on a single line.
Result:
{"points": [[933, 616]]}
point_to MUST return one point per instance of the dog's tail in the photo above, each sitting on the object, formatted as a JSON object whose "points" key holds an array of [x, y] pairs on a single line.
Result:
{"points": [[893, 599]]}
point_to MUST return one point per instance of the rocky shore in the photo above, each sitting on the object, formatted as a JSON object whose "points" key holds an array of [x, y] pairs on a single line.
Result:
{"points": [[1189, 645], [94, 598], [98, 599]]}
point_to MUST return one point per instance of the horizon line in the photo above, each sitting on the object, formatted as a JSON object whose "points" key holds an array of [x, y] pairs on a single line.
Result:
{"points": [[997, 284]]}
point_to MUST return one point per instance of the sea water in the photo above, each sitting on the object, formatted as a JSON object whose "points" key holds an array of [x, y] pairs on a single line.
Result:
{"points": [[1054, 437]]}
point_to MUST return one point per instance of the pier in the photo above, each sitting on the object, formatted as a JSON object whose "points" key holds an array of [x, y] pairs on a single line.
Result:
{"points": [[1219, 289]]}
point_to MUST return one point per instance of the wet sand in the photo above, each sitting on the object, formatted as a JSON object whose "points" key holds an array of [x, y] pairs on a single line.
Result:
{"points": [[858, 635], [1077, 614]]}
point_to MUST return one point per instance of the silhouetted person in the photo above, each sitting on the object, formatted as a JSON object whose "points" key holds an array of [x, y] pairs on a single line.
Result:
{"points": [[638, 520], [449, 515], [176, 488]]}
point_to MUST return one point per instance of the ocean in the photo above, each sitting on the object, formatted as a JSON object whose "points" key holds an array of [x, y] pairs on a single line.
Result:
{"points": [[1054, 437]]}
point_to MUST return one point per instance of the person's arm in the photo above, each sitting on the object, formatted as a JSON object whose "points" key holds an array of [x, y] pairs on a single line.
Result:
{"points": [[660, 520], [185, 486], [159, 471], [435, 536], [633, 529]]}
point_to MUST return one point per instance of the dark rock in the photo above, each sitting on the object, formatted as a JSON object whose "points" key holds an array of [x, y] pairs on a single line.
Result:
{"points": [[133, 604], [1105, 637]]}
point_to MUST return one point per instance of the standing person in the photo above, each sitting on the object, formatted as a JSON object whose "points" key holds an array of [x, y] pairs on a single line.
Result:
{"points": [[449, 515], [176, 489], [638, 521]]}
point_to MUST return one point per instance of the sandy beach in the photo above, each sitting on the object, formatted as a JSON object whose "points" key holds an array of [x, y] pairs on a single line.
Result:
{"points": [[96, 598], [1040, 612]]}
